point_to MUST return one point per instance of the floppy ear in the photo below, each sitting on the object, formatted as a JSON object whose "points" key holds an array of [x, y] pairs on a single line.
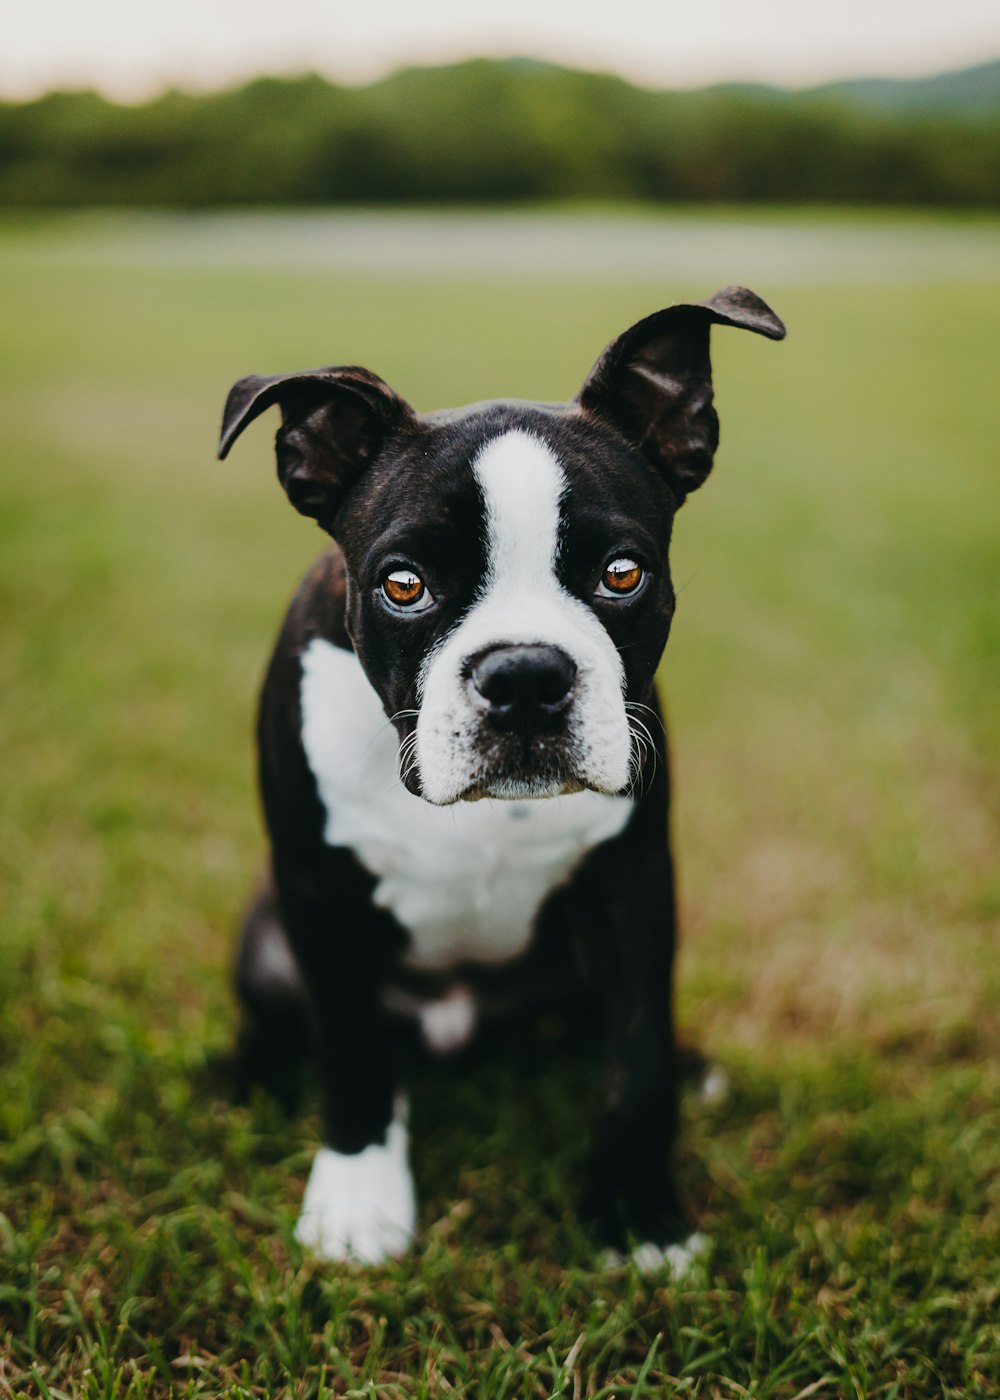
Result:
{"points": [[333, 422], [654, 383]]}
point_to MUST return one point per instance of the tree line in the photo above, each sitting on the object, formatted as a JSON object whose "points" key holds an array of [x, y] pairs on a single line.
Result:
{"points": [[486, 131]]}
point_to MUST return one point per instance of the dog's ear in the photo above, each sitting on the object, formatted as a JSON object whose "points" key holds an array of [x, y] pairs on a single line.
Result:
{"points": [[654, 383], [333, 422]]}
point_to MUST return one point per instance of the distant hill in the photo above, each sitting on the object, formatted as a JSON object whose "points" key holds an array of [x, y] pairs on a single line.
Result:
{"points": [[965, 91], [487, 131]]}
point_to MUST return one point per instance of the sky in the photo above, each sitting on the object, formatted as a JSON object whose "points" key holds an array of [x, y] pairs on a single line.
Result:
{"points": [[131, 49]]}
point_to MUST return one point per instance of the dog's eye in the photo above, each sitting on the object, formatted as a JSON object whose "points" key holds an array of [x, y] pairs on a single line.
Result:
{"points": [[621, 576], [406, 590]]}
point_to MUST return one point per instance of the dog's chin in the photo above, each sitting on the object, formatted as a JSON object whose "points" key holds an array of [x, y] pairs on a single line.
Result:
{"points": [[511, 788], [529, 788], [508, 773]]}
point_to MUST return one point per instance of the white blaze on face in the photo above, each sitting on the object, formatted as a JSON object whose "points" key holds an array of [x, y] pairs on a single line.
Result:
{"points": [[522, 602]]}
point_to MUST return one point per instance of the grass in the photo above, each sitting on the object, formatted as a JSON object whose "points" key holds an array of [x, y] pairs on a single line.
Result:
{"points": [[832, 690]]}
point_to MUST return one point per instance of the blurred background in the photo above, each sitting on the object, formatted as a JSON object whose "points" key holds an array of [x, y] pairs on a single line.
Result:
{"points": [[473, 205]]}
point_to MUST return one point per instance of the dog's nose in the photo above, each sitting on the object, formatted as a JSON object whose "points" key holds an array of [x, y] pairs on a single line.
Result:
{"points": [[523, 687]]}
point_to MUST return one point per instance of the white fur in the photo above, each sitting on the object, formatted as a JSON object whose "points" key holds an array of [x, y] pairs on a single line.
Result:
{"points": [[522, 601], [446, 1023], [360, 1205], [648, 1258], [275, 962], [466, 881], [714, 1089]]}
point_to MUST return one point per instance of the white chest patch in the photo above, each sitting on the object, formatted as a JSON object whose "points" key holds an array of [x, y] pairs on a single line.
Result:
{"points": [[466, 881]]}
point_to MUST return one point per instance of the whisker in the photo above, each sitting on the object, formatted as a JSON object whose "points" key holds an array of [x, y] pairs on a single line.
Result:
{"points": [[644, 749], [406, 759], [405, 756], [641, 729], [635, 760], [681, 587], [387, 724], [634, 705]]}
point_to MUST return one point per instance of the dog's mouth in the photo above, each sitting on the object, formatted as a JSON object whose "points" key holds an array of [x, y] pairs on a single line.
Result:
{"points": [[520, 788], [511, 768], [524, 765]]}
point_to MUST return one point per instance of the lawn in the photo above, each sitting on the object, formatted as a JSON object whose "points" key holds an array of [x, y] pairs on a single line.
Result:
{"points": [[832, 687]]}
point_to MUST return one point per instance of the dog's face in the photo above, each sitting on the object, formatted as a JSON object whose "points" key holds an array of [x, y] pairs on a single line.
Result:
{"points": [[509, 591]]}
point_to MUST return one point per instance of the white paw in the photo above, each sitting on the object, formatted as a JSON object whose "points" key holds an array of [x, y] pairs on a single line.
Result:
{"points": [[360, 1205], [649, 1258]]}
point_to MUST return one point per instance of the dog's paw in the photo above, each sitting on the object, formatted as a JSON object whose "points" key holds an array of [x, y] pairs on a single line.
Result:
{"points": [[360, 1205], [650, 1258]]}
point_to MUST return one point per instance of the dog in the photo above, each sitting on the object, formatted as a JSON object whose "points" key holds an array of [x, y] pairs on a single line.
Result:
{"points": [[462, 764]]}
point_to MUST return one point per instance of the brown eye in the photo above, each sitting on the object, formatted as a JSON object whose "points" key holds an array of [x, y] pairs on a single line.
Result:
{"points": [[620, 577], [405, 589]]}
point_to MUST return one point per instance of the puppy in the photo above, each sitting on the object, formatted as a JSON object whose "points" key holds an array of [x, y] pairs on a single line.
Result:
{"points": [[462, 764]]}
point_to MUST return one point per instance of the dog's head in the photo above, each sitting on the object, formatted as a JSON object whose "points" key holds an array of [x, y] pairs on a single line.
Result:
{"points": [[509, 591]]}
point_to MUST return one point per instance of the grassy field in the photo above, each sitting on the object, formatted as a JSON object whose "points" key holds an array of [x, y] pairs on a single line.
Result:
{"points": [[832, 685]]}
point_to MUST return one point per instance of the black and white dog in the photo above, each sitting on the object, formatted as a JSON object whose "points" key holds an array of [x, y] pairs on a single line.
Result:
{"points": [[462, 767]]}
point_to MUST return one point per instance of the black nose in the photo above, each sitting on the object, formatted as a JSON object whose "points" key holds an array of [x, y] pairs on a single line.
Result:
{"points": [[524, 687]]}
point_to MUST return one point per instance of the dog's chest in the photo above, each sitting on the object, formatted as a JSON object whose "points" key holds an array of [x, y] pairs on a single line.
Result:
{"points": [[465, 881]]}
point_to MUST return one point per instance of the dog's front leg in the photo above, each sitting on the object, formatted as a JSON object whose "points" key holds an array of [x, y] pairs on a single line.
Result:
{"points": [[359, 1202], [632, 1194]]}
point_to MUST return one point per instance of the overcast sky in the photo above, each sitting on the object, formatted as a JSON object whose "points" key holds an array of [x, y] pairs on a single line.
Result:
{"points": [[132, 48]]}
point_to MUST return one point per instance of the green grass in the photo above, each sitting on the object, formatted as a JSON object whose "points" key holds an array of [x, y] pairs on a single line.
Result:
{"points": [[832, 686]]}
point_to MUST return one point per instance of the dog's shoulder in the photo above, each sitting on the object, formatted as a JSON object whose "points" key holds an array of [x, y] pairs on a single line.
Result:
{"points": [[316, 613], [315, 616], [319, 606]]}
